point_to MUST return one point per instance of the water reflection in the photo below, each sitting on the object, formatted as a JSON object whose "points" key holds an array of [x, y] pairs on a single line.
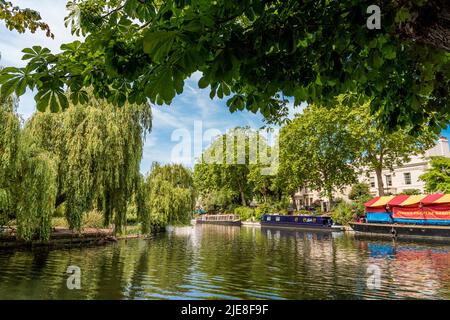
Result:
{"points": [[215, 262]]}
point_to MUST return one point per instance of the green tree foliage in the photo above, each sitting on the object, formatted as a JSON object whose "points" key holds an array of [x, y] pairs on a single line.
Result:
{"points": [[256, 52], [85, 159], [9, 141], [379, 149], [316, 151], [21, 20], [170, 196], [265, 187], [36, 190], [437, 178], [98, 150], [411, 192], [231, 171], [359, 190], [345, 212]]}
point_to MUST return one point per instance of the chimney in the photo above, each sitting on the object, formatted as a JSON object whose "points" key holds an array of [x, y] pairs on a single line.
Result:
{"points": [[444, 147]]}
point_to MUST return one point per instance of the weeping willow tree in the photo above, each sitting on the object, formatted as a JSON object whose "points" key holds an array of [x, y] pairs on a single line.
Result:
{"points": [[9, 139], [170, 195], [86, 158], [27, 177], [35, 190], [97, 150]]}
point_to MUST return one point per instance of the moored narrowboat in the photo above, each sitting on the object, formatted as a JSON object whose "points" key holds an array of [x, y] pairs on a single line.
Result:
{"points": [[321, 223], [424, 216], [222, 219]]}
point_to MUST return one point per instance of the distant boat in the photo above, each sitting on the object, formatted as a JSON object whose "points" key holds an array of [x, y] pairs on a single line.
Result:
{"points": [[222, 219], [321, 223]]}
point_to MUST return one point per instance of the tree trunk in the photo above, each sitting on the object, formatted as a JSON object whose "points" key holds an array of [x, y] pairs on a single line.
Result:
{"points": [[330, 199], [379, 173], [428, 24], [241, 192], [244, 203]]}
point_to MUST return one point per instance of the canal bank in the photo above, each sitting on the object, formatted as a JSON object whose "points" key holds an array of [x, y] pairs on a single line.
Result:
{"points": [[62, 237]]}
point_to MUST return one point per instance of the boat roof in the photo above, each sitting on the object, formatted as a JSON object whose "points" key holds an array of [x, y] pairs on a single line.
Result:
{"points": [[407, 200]]}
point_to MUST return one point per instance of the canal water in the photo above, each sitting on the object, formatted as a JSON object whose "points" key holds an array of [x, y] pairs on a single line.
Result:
{"points": [[225, 262]]}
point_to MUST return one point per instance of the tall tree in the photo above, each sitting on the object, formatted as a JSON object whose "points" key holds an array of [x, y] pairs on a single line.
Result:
{"points": [[257, 52], [222, 172], [9, 141], [86, 157], [233, 166], [380, 150], [98, 149], [317, 150], [437, 178]]}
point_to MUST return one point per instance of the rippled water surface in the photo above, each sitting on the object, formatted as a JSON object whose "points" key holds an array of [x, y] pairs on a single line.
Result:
{"points": [[220, 262]]}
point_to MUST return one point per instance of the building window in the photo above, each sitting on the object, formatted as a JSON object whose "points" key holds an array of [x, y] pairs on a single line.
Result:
{"points": [[388, 180], [372, 182], [407, 176]]}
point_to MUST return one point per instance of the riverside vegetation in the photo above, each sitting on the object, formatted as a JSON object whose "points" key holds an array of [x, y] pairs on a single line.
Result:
{"points": [[82, 166]]}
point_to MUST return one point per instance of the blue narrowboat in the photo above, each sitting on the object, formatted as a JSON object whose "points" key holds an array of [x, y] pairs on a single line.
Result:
{"points": [[299, 221]]}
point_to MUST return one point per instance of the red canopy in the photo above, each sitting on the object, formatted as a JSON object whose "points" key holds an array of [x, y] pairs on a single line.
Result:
{"points": [[408, 201]]}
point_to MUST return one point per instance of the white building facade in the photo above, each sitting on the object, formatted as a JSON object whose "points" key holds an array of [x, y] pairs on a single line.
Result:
{"points": [[399, 180]]}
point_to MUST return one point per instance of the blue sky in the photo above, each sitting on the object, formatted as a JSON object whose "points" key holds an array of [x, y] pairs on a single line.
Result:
{"points": [[192, 106]]}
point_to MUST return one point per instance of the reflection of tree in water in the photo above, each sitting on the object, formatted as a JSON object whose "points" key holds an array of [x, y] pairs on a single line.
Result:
{"points": [[220, 262]]}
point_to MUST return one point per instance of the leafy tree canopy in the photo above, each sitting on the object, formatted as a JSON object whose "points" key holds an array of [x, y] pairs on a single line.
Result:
{"points": [[437, 178], [379, 150], [232, 168], [326, 148], [358, 191], [255, 52], [87, 158], [170, 196], [317, 150], [21, 20]]}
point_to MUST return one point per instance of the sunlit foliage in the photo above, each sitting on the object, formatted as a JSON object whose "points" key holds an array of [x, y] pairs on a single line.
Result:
{"points": [[170, 195]]}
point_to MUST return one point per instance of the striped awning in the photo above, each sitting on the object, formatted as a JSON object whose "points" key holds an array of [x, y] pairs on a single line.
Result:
{"points": [[412, 200], [380, 202], [371, 201], [444, 198], [405, 200], [397, 200]]}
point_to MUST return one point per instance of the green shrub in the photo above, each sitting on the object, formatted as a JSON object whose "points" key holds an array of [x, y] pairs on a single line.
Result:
{"points": [[245, 213], [411, 192], [344, 213], [60, 211], [261, 210], [132, 213], [59, 222], [93, 219], [359, 190], [305, 212]]}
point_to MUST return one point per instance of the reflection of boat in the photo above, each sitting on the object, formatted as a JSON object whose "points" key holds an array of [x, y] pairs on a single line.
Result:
{"points": [[401, 230], [425, 216], [300, 221], [222, 219]]}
